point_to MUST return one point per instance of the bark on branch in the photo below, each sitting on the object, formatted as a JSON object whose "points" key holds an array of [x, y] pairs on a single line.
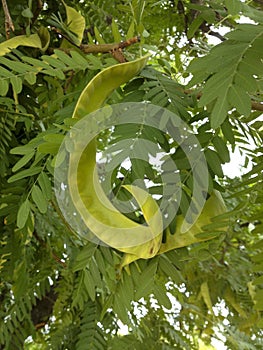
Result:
{"points": [[105, 48], [115, 49], [8, 20]]}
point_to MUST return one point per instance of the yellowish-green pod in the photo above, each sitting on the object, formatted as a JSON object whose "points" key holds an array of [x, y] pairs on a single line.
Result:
{"points": [[100, 216], [103, 219], [213, 207]]}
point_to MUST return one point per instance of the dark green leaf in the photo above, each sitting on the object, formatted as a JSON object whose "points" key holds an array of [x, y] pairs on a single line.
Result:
{"points": [[115, 32], [45, 185], [221, 149], [194, 26], [25, 173], [4, 85], [89, 284], [146, 282], [214, 163], [160, 293], [169, 270], [23, 213], [227, 130], [23, 161], [233, 6], [16, 83], [39, 199], [21, 280], [27, 13], [22, 150], [48, 148], [239, 98]]}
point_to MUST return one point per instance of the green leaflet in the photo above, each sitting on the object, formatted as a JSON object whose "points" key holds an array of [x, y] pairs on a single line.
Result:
{"points": [[20, 40], [23, 213], [39, 199], [109, 225], [204, 291], [233, 6], [116, 32]]}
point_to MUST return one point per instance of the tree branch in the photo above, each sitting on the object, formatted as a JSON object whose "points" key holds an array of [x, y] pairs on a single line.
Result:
{"points": [[206, 29], [258, 106], [37, 11], [8, 20], [104, 48], [115, 48]]}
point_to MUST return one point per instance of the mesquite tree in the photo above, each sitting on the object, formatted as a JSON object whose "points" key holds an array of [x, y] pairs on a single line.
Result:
{"points": [[193, 69]]}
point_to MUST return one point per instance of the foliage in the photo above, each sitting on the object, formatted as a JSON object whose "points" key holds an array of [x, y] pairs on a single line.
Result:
{"points": [[59, 290]]}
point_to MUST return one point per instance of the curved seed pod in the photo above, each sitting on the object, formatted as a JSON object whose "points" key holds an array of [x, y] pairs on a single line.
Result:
{"points": [[103, 219], [213, 207], [102, 85]]}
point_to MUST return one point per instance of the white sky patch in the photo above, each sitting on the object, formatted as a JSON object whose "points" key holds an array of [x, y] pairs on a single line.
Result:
{"points": [[218, 344], [212, 40], [234, 168], [123, 330]]}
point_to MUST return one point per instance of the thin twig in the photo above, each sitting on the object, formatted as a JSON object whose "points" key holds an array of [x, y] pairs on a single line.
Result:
{"points": [[206, 29], [106, 48], [37, 11], [115, 48], [8, 20]]}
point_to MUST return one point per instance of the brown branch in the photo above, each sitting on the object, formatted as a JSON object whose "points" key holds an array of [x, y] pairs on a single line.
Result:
{"points": [[115, 49], [106, 48], [206, 29], [37, 11], [8, 20], [257, 106], [68, 81], [118, 55]]}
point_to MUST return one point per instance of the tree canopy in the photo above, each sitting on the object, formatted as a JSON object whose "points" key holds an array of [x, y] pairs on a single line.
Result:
{"points": [[195, 69]]}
